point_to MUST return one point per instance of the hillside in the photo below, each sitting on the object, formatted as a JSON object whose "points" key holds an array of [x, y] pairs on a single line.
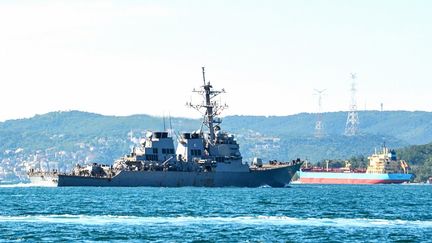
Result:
{"points": [[61, 139], [409, 127], [420, 158]]}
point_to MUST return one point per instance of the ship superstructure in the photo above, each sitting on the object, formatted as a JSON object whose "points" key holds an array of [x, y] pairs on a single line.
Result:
{"points": [[206, 157], [386, 162]]}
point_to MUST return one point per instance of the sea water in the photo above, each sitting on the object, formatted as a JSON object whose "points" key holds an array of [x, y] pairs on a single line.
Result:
{"points": [[299, 213]]}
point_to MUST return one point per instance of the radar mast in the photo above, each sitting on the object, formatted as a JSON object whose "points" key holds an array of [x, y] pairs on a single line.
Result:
{"points": [[210, 108]]}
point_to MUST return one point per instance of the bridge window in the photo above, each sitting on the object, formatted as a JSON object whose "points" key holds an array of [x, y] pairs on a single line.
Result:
{"points": [[151, 157], [168, 151], [195, 152]]}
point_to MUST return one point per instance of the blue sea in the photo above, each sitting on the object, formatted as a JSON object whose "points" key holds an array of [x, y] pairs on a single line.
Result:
{"points": [[299, 213]]}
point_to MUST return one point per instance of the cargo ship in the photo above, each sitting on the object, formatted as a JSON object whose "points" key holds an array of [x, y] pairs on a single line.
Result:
{"points": [[383, 168]]}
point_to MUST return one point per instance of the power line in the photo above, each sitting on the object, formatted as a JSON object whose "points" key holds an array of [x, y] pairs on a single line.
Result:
{"points": [[351, 127], [319, 127]]}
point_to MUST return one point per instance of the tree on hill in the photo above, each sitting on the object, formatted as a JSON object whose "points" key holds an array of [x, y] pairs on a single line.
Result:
{"points": [[420, 159]]}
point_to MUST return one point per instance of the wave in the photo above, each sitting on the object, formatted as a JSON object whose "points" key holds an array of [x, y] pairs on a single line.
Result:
{"points": [[188, 220], [21, 184]]}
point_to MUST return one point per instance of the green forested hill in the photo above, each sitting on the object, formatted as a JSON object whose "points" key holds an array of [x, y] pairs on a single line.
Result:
{"points": [[420, 158], [74, 136], [289, 135], [410, 127], [64, 129]]}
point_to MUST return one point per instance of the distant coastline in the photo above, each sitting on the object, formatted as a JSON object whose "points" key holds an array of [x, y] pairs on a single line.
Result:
{"points": [[61, 139]]}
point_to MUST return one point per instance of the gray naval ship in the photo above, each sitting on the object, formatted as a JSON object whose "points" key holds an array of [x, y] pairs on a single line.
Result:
{"points": [[209, 157]]}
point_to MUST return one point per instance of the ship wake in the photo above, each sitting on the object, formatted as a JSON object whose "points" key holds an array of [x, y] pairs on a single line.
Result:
{"points": [[244, 220], [39, 184]]}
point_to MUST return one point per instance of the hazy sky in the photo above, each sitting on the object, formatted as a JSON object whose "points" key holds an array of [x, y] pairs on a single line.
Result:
{"points": [[135, 57]]}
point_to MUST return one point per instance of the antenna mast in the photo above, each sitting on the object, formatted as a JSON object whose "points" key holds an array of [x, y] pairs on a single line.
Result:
{"points": [[351, 127], [319, 128], [170, 123], [203, 73], [210, 108]]}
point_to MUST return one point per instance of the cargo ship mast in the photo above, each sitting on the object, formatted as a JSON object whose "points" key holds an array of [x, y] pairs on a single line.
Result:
{"points": [[210, 108]]}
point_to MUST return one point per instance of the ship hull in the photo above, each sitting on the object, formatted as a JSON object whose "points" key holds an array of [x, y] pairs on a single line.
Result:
{"points": [[352, 178], [275, 177]]}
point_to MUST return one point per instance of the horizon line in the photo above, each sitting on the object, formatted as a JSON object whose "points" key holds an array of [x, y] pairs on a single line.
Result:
{"points": [[198, 117]]}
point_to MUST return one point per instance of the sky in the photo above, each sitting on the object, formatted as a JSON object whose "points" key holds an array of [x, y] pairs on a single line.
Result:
{"points": [[145, 57]]}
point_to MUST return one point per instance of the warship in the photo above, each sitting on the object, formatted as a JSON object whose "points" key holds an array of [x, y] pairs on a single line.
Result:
{"points": [[208, 157]]}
